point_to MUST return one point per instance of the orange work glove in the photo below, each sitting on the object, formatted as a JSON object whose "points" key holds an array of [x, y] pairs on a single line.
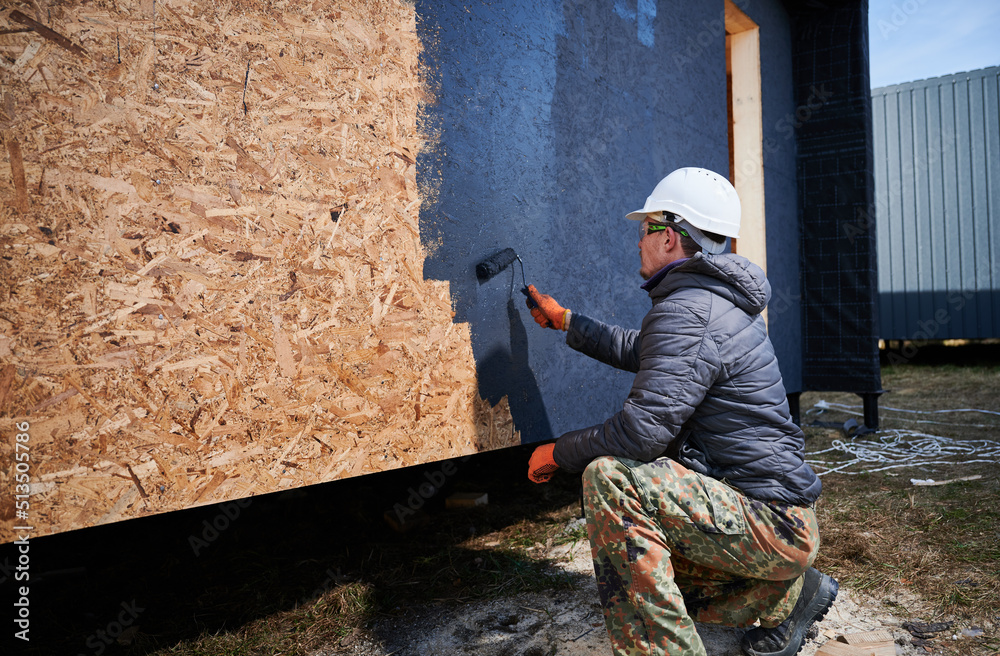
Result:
{"points": [[542, 465], [548, 313]]}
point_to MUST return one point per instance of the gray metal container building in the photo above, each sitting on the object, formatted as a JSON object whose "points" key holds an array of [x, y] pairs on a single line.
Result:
{"points": [[937, 183]]}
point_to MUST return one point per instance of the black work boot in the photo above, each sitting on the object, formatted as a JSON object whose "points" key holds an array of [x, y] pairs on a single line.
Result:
{"points": [[818, 593]]}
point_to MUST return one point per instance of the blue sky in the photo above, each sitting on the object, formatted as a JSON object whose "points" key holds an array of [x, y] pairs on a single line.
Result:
{"points": [[916, 39]]}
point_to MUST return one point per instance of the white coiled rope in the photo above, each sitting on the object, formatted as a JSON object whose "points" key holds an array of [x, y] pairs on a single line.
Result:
{"points": [[822, 405], [895, 448]]}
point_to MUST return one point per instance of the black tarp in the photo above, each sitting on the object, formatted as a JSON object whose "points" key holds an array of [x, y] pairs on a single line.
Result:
{"points": [[836, 198]]}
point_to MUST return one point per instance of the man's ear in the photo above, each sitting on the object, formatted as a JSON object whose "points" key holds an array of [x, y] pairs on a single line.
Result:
{"points": [[674, 240]]}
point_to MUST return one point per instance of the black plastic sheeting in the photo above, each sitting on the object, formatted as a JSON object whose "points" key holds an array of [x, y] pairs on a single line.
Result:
{"points": [[836, 199], [550, 121]]}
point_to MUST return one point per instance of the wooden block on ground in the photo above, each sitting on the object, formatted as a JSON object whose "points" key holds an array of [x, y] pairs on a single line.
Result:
{"points": [[864, 637], [466, 500], [837, 648]]}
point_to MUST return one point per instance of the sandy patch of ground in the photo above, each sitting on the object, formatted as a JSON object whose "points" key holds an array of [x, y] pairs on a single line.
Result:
{"points": [[566, 622]]}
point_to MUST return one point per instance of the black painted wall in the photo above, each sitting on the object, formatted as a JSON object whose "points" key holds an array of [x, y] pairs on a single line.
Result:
{"points": [[551, 121]]}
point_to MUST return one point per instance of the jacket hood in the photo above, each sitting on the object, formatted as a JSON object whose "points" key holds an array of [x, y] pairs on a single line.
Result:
{"points": [[728, 275]]}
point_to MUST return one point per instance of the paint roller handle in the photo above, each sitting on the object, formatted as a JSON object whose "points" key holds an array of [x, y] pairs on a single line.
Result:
{"points": [[546, 310], [530, 301]]}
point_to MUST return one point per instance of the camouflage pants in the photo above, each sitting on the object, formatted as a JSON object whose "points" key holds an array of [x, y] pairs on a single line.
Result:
{"points": [[672, 547]]}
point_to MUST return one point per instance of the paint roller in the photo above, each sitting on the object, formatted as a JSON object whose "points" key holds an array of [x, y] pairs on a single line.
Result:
{"points": [[496, 263]]}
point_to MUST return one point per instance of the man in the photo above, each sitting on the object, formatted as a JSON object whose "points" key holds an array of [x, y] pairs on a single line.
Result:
{"points": [[697, 495]]}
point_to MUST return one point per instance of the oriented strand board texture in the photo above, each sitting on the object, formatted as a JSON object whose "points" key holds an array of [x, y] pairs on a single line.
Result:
{"points": [[204, 300]]}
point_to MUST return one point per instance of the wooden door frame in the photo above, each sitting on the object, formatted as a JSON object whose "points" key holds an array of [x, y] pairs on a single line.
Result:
{"points": [[746, 130]]}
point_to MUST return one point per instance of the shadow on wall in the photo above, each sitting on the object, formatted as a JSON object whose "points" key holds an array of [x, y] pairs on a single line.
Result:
{"points": [[506, 371]]}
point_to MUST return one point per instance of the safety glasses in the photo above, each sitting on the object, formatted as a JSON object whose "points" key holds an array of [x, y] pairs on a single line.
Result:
{"points": [[648, 227]]}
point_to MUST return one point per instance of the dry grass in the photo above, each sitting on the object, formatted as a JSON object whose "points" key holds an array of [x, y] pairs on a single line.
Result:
{"points": [[336, 617], [882, 533]]}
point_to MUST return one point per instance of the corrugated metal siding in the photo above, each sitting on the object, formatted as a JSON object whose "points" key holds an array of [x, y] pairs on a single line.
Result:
{"points": [[937, 185]]}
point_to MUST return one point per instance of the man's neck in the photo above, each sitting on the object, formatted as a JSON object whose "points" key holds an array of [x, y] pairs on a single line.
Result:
{"points": [[657, 277]]}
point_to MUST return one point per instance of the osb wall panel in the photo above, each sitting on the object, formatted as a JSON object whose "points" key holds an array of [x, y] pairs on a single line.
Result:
{"points": [[212, 273]]}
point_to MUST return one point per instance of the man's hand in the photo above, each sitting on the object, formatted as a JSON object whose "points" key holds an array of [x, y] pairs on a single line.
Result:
{"points": [[542, 465], [547, 313]]}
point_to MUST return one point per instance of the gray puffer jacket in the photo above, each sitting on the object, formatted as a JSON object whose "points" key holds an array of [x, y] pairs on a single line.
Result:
{"points": [[707, 377]]}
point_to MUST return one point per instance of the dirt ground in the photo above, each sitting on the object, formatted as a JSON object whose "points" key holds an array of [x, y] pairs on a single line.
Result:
{"points": [[570, 622]]}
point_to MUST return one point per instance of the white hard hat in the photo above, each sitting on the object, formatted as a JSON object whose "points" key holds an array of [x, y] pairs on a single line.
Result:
{"points": [[705, 201]]}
